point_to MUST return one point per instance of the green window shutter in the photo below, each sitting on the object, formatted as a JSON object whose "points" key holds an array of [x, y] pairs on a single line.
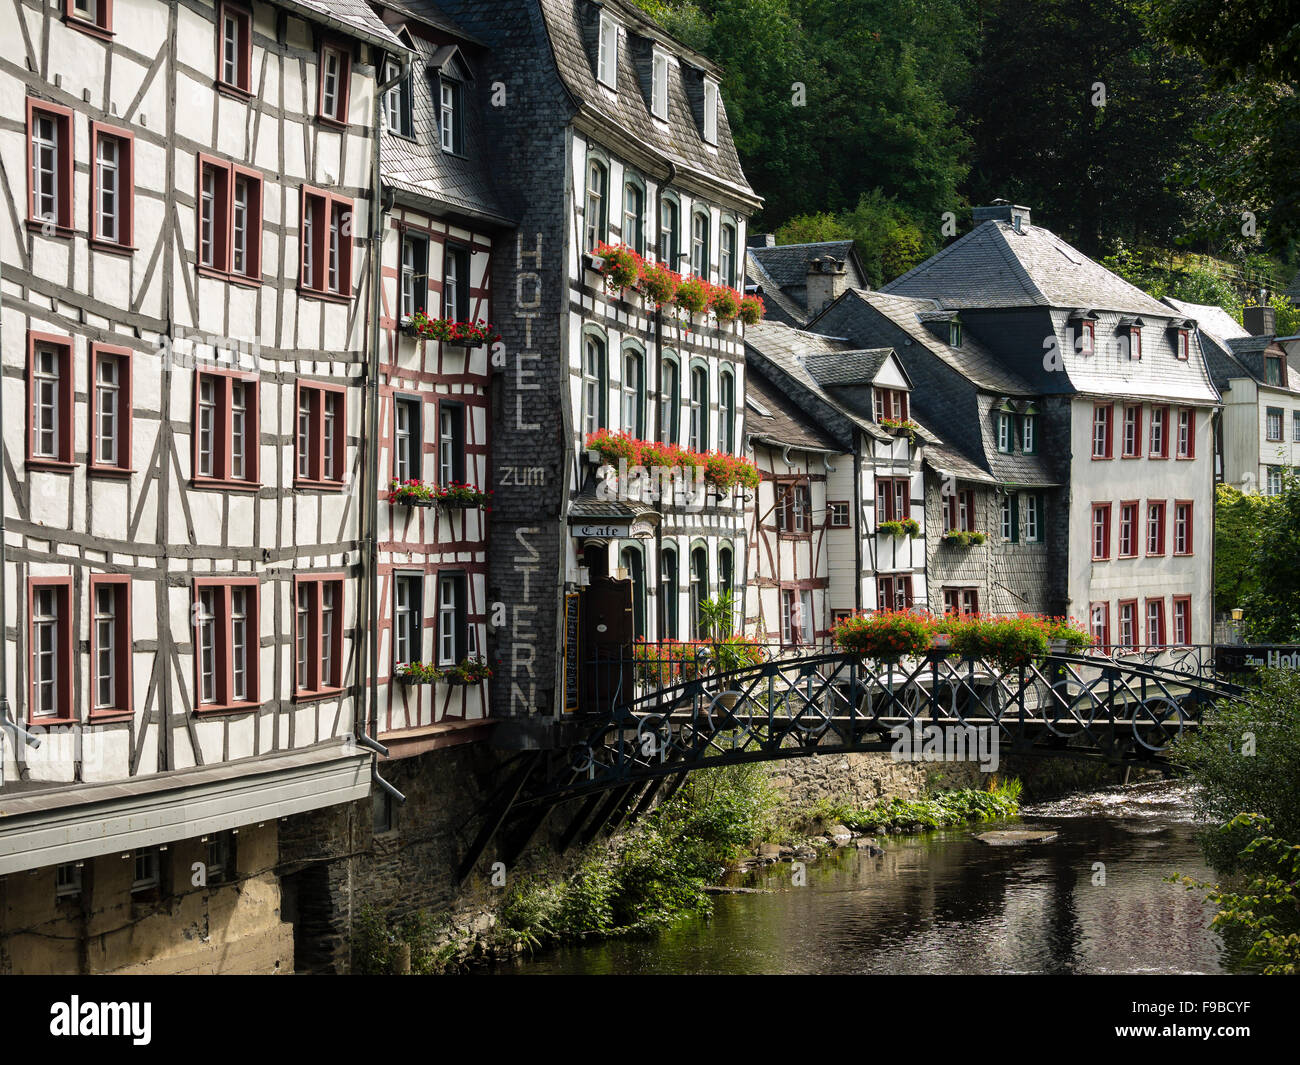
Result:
{"points": [[1015, 517]]}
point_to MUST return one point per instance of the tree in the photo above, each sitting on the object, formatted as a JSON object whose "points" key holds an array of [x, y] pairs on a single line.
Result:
{"points": [[1237, 516], [1078, 110], [1271, 601]]}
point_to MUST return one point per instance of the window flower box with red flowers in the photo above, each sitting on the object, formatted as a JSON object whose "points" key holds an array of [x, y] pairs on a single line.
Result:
{"points": [[459, 494], [619, 265], [692, 295], [724, 471], [901, 527], [900, 427], [885, 636], [449, 331], [470, 671], [658, 283], [724, 302], [411, 493], [416, 673], [613, 447], [751, 309]]}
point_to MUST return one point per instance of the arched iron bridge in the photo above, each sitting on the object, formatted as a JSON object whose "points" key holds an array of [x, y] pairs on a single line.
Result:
{"points": [[657, 719]]}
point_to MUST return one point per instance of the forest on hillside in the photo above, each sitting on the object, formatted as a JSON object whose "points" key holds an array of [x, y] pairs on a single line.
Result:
{"points": [[1161, 136]]}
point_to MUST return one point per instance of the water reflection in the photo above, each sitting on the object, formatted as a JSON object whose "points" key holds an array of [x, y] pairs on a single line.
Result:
{"points": [[1092, 901]]}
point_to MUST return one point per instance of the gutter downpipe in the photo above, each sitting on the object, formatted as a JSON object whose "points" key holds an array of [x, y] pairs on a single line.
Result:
{"points": [[370, 535]]}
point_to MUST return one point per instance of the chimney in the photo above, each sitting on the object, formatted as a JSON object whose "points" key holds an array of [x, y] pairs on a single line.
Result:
{"points": [[760, 240], [827, 278], [1003, 211], [1260, 321]]}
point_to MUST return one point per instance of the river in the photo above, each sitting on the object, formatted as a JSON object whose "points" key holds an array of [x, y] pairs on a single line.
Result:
{"points": [[1093, 900]]}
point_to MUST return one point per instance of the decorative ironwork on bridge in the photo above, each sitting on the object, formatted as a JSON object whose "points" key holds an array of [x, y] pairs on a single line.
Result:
{"points": [[658, 717]]}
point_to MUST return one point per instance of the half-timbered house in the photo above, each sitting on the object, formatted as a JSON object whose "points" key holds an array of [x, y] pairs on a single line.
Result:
{"points": [[184, 353], [605, 130]]}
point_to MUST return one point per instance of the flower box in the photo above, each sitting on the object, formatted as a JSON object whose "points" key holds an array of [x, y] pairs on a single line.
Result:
{"points": [[408, 326], [902, 527], [964, 539]]}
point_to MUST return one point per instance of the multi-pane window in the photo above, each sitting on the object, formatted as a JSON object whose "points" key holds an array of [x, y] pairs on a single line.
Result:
{"points": [[1133, 339], [1155, 528], [225, 642], [894, 592], [958, 511], [1155, 622], [595, 215], [1029, 433], [335, 71], [326, 244], [727, 255], [1099, 624], [670, 401], [67, 880], [1274, 370], [699, 409], [49, 386], [1033, 519], [1273, 481], [398, 103], [1182, 345], [700, 244], [1101, 434], [669, 233], [455, 635], [1007, 514], [1273, 423], [1128, 530], [408, 439], [1128, 624], [147, 871], [408, 612], [110, 434], [50, 640], [225, 428], [893, 499], [1295, 427], [961, 601], [230, 220], [1186, 433], [91, 15], [890, 403], [727, 413], [710, 111], [699, 589], [112, 185], [1131, 446], [659, 85], [320, 433], [234, 61], [793, 510], [797, 621], [1182, 619], [668, 592], [1087, 340], [1159, 432], [1004, 432], [415, 273], [49, 135], [455, 283], [634, 217], [318, 634], [607, 52], [593, 383], [1100, 531], [633, 391], [221, 857], [1182, 528], [451, 117], [838, 515], [451, 442]]}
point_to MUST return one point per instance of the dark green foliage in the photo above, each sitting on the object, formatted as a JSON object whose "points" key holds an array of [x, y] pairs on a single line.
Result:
{"points": [[1238, 518], [1271, 600], [1230, 779], [942, 810]]}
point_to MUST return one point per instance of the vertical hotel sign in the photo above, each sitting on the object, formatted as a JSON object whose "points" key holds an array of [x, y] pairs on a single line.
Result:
{"points": [[571, 652]]}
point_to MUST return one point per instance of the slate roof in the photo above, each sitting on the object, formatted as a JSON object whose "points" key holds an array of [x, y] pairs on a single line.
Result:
{"points": [[777, 306], [788, 263], [848, 367], [945, 460], [1209, 318], [682, 141], [995, 266], [428, 13], [421, 167], [588, 506], [781, 422], [354, 16], [972, 360]]}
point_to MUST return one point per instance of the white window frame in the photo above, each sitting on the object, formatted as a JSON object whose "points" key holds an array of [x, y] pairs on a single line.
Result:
{"points": [[659, 85], [607, 52], [45, 166], [710, 111], [48, 374], [108, 163], [46, 637], [408, 608]]}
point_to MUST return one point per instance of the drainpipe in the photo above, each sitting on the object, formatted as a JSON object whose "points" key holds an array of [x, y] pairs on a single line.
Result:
{"points": [[858, 531], [370, 534]]}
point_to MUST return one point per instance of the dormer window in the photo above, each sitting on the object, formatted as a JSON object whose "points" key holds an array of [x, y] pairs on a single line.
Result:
{"points": [[1130, 334], [710, 111], [450, 116], [1182, 344], [659, 86], [1004, 432], [607, 49], [954, 334], [397, 104], [1274, 370], [1083, 328], [1029, 431], [890, 403]]}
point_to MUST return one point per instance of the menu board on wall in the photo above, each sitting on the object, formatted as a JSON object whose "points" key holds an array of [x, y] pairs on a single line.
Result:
{"points": [[571, 663]]}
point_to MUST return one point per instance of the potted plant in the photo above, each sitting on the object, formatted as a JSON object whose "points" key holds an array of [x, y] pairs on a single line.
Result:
{"points": [[724, 302], [657, 283], [1065, 636], [470, 671], [885, 636], [1007, 642], [751, 309], [726, 471], [416, 673], [692, 295], [963, 538], [613, 447], [900, 426], [620, 266], [412, 493], [460, 494], [899, 527]]}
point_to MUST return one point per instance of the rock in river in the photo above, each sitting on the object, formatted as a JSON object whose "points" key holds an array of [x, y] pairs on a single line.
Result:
{"points": [[1015, 837]]}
